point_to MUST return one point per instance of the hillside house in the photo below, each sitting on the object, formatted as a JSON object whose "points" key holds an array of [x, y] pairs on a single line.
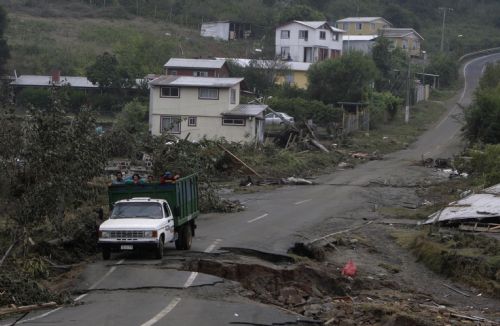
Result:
{"points": [[226, 30], [363, 25], [203, 107], [308, 41], [196, 67], [404, 38]]}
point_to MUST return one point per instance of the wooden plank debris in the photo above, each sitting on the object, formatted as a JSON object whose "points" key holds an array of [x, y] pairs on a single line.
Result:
{"points": [[239, 160], [15, 309]]}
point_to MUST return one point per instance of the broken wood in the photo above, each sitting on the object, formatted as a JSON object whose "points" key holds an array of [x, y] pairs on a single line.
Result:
{"points": [[12, 310], [240, 161], [318, 145], [7, 252], [340, 232], [456, 290]]}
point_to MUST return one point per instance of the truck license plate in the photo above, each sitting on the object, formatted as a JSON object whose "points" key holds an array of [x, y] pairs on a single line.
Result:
{"points": [[127, 247]]}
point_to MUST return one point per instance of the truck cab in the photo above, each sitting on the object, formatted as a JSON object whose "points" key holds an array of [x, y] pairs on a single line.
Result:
{"points": [[137, 223]]}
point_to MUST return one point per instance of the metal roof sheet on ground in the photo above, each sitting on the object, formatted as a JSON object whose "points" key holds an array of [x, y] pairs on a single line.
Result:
{"points": [[34, 80], [473, 207], [247, 110], [355, 38], [195, 81], [195, 63]]}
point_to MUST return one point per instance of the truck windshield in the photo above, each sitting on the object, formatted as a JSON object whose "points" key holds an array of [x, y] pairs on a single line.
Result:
{"points": [[137, 210]]}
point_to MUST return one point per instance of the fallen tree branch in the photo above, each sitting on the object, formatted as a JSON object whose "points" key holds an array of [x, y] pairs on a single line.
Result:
{"points": [[6, 311], [7, 252], [340, 232], [456, 290], [239, 160]]}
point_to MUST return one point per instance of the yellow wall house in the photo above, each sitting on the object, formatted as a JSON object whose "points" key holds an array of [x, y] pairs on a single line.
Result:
{"points": [[404, 38], [363, 25], [203, 107], [288, 72]]}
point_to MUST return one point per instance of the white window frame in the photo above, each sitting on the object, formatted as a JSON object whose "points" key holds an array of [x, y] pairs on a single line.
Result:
{"points": [[303, 34], [175, 129], [230, 121], [233, 96], [322, 35], [285, 34], [335, 36], [170, 88], [192, 121], [359, 26], [213, 93]]}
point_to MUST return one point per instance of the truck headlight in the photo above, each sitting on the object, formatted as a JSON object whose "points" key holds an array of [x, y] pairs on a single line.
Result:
{"points": [[150, 234], [104, 234]]}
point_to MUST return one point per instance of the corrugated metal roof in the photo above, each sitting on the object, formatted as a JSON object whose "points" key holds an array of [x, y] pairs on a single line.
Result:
{"points": [[195, 63], [361, 20], [315, 25], [247, 110], [473, 207], [195, 81], [34, 80], [399, 32], [348, 38]]}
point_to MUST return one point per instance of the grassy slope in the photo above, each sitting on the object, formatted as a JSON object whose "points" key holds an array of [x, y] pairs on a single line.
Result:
{"points": [[39, 44]]}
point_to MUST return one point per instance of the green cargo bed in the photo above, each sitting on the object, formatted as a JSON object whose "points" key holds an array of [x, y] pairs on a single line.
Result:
{"points": [[182, 196]]}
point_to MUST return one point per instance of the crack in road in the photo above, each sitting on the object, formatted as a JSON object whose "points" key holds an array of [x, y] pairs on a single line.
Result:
{"points": [[155, 287]]}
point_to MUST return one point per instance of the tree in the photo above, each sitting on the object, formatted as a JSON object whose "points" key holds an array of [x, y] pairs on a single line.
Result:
{"points": [[401, 17], [260, 75], [346, 79], [106, 72], [299, 12], [4, 49], [133, 118], [446, 67], [51, 166]]}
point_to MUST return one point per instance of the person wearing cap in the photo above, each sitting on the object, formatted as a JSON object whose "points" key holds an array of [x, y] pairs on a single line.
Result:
{"points": [[167, 177]]}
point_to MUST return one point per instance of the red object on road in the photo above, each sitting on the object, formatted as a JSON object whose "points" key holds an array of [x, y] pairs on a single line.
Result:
{"points": [[349, 269]]}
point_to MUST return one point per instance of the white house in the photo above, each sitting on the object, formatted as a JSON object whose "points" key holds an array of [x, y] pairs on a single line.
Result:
{"points": [[203, 107], [309, 41]]}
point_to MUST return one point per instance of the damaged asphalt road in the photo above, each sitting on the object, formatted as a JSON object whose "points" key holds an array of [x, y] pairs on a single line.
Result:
{"points": [[214, 289]]}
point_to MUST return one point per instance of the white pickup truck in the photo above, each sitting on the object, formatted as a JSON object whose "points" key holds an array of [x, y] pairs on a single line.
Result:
{"points": [[135, 224], [148, 221]]}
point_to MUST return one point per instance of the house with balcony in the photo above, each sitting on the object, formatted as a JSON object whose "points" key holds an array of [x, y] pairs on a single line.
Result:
{"points": [[203, 107], [196, 67], [406, 39], [308, 41], [363, 25]]}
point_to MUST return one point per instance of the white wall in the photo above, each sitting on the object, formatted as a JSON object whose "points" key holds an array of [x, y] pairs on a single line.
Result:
{"points": [[218, 30], [297, 45], [207, 112]]}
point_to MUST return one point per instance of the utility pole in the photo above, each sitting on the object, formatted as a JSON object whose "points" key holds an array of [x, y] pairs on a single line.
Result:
{"points": [[444, 10], [407, 107]]}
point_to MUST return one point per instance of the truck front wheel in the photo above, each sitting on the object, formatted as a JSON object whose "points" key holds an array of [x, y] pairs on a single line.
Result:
{"points": [[159, 250], [184, 239], [106, 253]]}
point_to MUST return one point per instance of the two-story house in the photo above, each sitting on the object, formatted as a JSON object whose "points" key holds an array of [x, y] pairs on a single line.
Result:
{"points": [[363, 25], [196, 67], [404, 38], [203, 107], [308, 41]]}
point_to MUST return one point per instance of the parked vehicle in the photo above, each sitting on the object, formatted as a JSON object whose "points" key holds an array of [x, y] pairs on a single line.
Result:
{"points": [[150, 216], [278, 118]]}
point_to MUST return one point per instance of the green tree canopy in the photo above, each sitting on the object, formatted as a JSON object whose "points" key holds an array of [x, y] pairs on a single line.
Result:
{"points": [[106, 72], [345, 79], [446, 67], [299, 12]]}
